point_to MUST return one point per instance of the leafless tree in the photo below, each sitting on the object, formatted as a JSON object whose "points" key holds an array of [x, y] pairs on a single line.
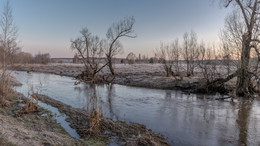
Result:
{"points": [[207, 62], [90, 48], [8, 35], [169, 56], [123, 28], [174, 55], [42, 58], [131, 57], [163, 55], [8, 46], [249, 35], [24, 58], [190, 51], [231, 38]]}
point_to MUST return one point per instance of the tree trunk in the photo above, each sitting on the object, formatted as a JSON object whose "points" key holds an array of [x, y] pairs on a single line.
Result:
{"points": [[110, 65], [243, 78]]}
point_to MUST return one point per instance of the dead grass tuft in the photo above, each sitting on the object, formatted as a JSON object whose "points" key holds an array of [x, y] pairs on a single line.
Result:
{"points": [[30, 107], [5, 89], [95, 116]]}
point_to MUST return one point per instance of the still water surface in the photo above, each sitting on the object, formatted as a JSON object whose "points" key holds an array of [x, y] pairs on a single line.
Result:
{"points": [[185, 119]]}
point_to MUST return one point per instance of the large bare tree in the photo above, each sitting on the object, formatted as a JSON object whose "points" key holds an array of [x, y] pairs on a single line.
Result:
{"points": [[8, 47], [249, 34], [8, 35], [123, 28], [90, 49]]}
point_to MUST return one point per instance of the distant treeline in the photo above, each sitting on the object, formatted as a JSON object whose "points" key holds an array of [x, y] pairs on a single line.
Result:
{"points": [[28, 58]]}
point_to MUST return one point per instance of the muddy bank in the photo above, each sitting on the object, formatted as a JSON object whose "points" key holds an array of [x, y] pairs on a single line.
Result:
{"points": [[37, 128], [117, 132]]}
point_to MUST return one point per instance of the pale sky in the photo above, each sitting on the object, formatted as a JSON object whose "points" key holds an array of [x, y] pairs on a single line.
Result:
{"points": [[47, 26]]}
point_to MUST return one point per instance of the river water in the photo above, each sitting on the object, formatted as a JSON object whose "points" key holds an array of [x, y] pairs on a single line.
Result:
{"points": [[184, 119]]}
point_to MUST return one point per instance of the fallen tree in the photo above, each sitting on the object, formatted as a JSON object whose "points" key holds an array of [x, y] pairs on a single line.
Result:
{"points": [[243, 30]]}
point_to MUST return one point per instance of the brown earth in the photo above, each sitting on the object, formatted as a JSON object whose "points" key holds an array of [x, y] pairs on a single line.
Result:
{"points": [[32, 128]]}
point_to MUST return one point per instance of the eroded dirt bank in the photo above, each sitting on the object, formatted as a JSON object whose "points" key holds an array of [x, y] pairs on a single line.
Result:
{"points": [[117, 132]]}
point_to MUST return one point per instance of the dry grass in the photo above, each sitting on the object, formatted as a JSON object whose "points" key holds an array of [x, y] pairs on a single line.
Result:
{"points": [[95, 116], [5, 89], [31, 103], [30, 107]]}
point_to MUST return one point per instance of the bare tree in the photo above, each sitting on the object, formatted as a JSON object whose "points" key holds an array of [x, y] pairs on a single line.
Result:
{"points": [[8, 46], [190, 51], [174, 54], [24, 58], [169, 56], [90, 48], [131, 57], [249, 11], [207, 62], [8, 35], [42, 58], [123, 28], [231, 37], [163, 55]]}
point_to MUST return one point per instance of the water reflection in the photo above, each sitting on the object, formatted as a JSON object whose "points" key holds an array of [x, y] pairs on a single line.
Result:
{"points": [[244, 108], [185, 119], [110, 95]]}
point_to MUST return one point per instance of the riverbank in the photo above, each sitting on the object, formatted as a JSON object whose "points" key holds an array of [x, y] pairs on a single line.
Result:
{"points": [[140, 75], [112, 132], [185, 119], [36, 128], [23, 122]]}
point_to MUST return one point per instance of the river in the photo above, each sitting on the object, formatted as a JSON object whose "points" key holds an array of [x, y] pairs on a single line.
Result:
{"points": [[184, 119]]}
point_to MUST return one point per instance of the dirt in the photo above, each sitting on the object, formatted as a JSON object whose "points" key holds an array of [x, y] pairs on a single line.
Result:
{"points": [[110, 131], [31, 128]]}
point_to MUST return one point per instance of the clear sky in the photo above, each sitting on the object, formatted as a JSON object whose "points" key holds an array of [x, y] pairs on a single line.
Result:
{"points": [[48, 25]]}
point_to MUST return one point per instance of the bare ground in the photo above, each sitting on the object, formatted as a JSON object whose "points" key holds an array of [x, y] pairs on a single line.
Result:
{"points": [[32, 128]]}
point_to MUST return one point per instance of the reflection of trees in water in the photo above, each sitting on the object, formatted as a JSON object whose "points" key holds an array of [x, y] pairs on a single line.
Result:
{"points": [[89, 97], [244, 109], [83, 94], [93, 101], [202, 115], [110, 94]]}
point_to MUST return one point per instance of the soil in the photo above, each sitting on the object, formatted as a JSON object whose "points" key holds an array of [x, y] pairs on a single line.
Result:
{"points": [[35, 128]]}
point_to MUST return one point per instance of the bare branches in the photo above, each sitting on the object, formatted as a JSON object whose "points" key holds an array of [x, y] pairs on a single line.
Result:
{"points": [[243, 10], [228, 2], [8, 35], [123, 28], [190, 51], [131, 57], [250, 15], [8, 46], [90, 49]]}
